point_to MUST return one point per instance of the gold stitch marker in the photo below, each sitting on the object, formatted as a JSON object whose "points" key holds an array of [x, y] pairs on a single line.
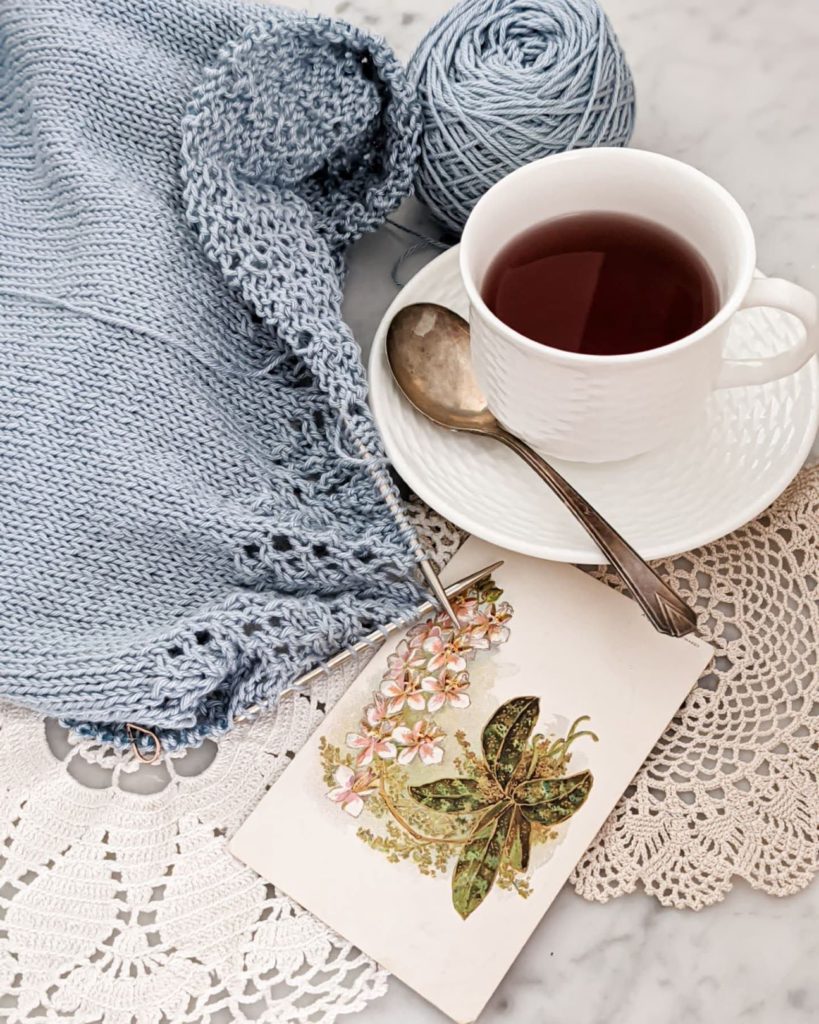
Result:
{"points": [[131, 731]]}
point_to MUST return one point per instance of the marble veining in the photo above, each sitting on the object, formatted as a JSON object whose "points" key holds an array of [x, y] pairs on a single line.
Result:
{"points": [[730, 86]]}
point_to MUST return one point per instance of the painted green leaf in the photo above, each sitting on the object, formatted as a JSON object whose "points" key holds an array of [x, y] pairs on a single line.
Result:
{"points": [[564, 800], [506, 734], [517, 848], [495, 811], [450, 796], [538, 791], [478, 865]]}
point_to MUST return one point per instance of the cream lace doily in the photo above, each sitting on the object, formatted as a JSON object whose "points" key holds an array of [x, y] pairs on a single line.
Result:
{"points": [[732, 788], [126, 906]]}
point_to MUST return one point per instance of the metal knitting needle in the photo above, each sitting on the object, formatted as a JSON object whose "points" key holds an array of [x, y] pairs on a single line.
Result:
{"points": [[438, 590], [380, 634]]}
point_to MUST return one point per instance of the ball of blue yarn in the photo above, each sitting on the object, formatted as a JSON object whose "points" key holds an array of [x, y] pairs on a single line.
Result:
{"points": [[503, 82]]}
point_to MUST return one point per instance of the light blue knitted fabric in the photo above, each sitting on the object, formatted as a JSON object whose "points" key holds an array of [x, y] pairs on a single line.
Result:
{"points": [[194, 502]]}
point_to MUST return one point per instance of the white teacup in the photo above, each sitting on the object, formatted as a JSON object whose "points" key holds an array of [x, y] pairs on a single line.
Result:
{"points": [[593, 408]]}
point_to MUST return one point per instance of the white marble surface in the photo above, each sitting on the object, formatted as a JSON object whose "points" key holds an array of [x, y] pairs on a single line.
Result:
{"points": [[731, 86]]}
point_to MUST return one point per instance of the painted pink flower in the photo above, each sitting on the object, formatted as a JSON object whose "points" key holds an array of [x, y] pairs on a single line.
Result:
{"points": [[377, 713], [422, 739], [405, 659], [463, 643], [444, 653], [487, 628], [466, 609], [369, 745], [418, 633], [352, 788], [446, 689], [403, 691]]}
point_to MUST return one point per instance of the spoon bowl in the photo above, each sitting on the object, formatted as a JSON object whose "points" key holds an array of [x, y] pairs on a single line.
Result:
{"points": [[429, 355]]}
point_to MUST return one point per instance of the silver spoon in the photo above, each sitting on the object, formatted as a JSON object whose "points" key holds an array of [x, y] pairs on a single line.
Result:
{"points": [[428, 353]]}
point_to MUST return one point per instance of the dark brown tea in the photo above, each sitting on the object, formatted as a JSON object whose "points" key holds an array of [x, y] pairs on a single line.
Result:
{"points": [[602, 284]]}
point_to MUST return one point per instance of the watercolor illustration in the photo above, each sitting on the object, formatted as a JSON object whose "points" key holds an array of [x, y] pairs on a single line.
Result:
{"points": [[505, 792]]}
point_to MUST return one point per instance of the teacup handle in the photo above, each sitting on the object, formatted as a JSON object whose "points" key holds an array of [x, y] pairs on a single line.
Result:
{"points": [[791, 298]]}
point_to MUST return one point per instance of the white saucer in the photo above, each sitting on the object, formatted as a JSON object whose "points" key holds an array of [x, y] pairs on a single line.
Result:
{"points": [[747, 446]]}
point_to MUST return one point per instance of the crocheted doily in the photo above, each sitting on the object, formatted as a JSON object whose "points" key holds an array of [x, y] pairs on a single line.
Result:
{"points": [[126, 906], [732, 788]]}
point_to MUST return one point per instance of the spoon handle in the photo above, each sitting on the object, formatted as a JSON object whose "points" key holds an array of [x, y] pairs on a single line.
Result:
{"points": [[667, 611]]}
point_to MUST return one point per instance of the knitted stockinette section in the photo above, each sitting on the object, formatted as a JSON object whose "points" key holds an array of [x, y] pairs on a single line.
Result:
{"points": [[194, 502]]}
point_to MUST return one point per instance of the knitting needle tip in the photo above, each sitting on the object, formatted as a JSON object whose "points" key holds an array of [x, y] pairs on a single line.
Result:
{"points": [[443, 594], [459, 586]]}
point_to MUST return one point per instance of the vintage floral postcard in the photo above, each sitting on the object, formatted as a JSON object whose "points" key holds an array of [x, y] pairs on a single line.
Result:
{"points": [[437, 811]]}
